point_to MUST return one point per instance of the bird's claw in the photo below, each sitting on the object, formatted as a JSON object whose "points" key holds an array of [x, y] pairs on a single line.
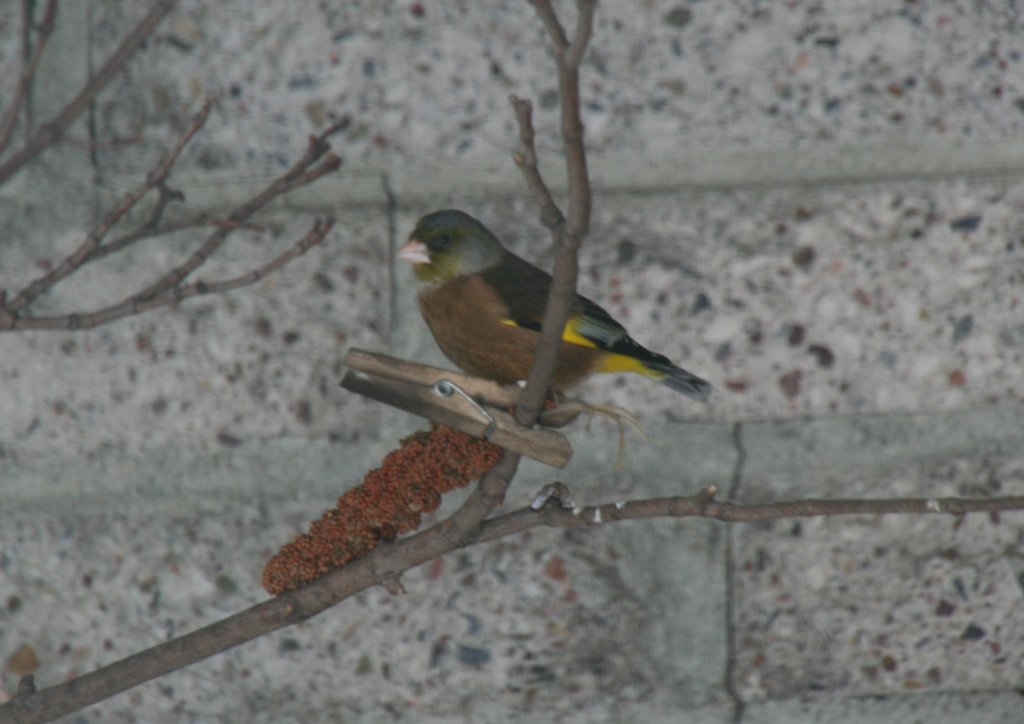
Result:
{"points": [[569, 410]]}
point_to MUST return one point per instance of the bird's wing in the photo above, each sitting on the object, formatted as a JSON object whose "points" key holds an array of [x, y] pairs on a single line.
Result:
{"points": [[523, 288], [523, 291]]}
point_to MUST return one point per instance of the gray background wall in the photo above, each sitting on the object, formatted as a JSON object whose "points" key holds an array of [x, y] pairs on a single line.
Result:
{"points": [[815, 206]]}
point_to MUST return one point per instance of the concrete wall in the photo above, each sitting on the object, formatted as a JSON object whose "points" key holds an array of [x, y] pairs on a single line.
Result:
{"points": [[816, 207]]}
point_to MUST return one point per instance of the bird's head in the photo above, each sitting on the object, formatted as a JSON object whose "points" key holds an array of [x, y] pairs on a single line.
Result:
{"points": [[447, 244]]}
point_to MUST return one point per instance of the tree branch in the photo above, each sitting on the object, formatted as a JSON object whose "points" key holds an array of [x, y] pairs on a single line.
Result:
{"points": [[301, 174], [321, 228], [169, 288], [567, 236], [704, 505], [173, 294], [152, 230], [526, 159], [87, 250], [552, 25], [385, 564]]}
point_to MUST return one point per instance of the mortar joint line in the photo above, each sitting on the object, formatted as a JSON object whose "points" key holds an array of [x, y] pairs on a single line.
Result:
{"points": [[739, 706]]}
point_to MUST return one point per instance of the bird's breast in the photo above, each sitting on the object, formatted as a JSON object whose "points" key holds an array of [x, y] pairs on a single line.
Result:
{"points": [[467, 319]]}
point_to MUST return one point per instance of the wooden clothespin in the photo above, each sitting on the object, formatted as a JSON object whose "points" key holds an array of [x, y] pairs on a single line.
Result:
{"points": [[470, 404]]}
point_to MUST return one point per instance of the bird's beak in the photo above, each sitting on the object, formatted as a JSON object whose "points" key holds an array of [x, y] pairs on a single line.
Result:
{"points": [[415, 252]]}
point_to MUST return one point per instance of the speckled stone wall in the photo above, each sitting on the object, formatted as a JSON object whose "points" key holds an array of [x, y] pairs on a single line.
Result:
{"points": [[816, 206]]}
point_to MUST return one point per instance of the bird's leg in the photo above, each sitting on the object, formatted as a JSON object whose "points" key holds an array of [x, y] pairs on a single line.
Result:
{"points": [[568, 410]]}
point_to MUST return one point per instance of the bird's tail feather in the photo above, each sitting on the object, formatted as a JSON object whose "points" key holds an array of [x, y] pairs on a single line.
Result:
{"points": [[680, 380]]}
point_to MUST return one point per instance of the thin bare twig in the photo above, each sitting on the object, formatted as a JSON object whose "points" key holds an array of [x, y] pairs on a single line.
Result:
{"points": [[43, 31], [578, 218], [166, 195], [175, 294], [169, 288], [386, 563], [526, 160], [552, 25], [704, 505], [151, 230], [50, 132], [298, 175], [87, 249], [321, 227]]}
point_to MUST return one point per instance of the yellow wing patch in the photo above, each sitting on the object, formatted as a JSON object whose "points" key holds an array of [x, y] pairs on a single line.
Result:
{"points": [[610, 362], [570, 334]]}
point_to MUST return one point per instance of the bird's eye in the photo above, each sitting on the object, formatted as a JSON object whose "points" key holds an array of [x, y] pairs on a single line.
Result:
{"points": [[442, 241]]}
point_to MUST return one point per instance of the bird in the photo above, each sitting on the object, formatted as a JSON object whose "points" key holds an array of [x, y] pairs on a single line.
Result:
{"points": [[484, 306]]}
